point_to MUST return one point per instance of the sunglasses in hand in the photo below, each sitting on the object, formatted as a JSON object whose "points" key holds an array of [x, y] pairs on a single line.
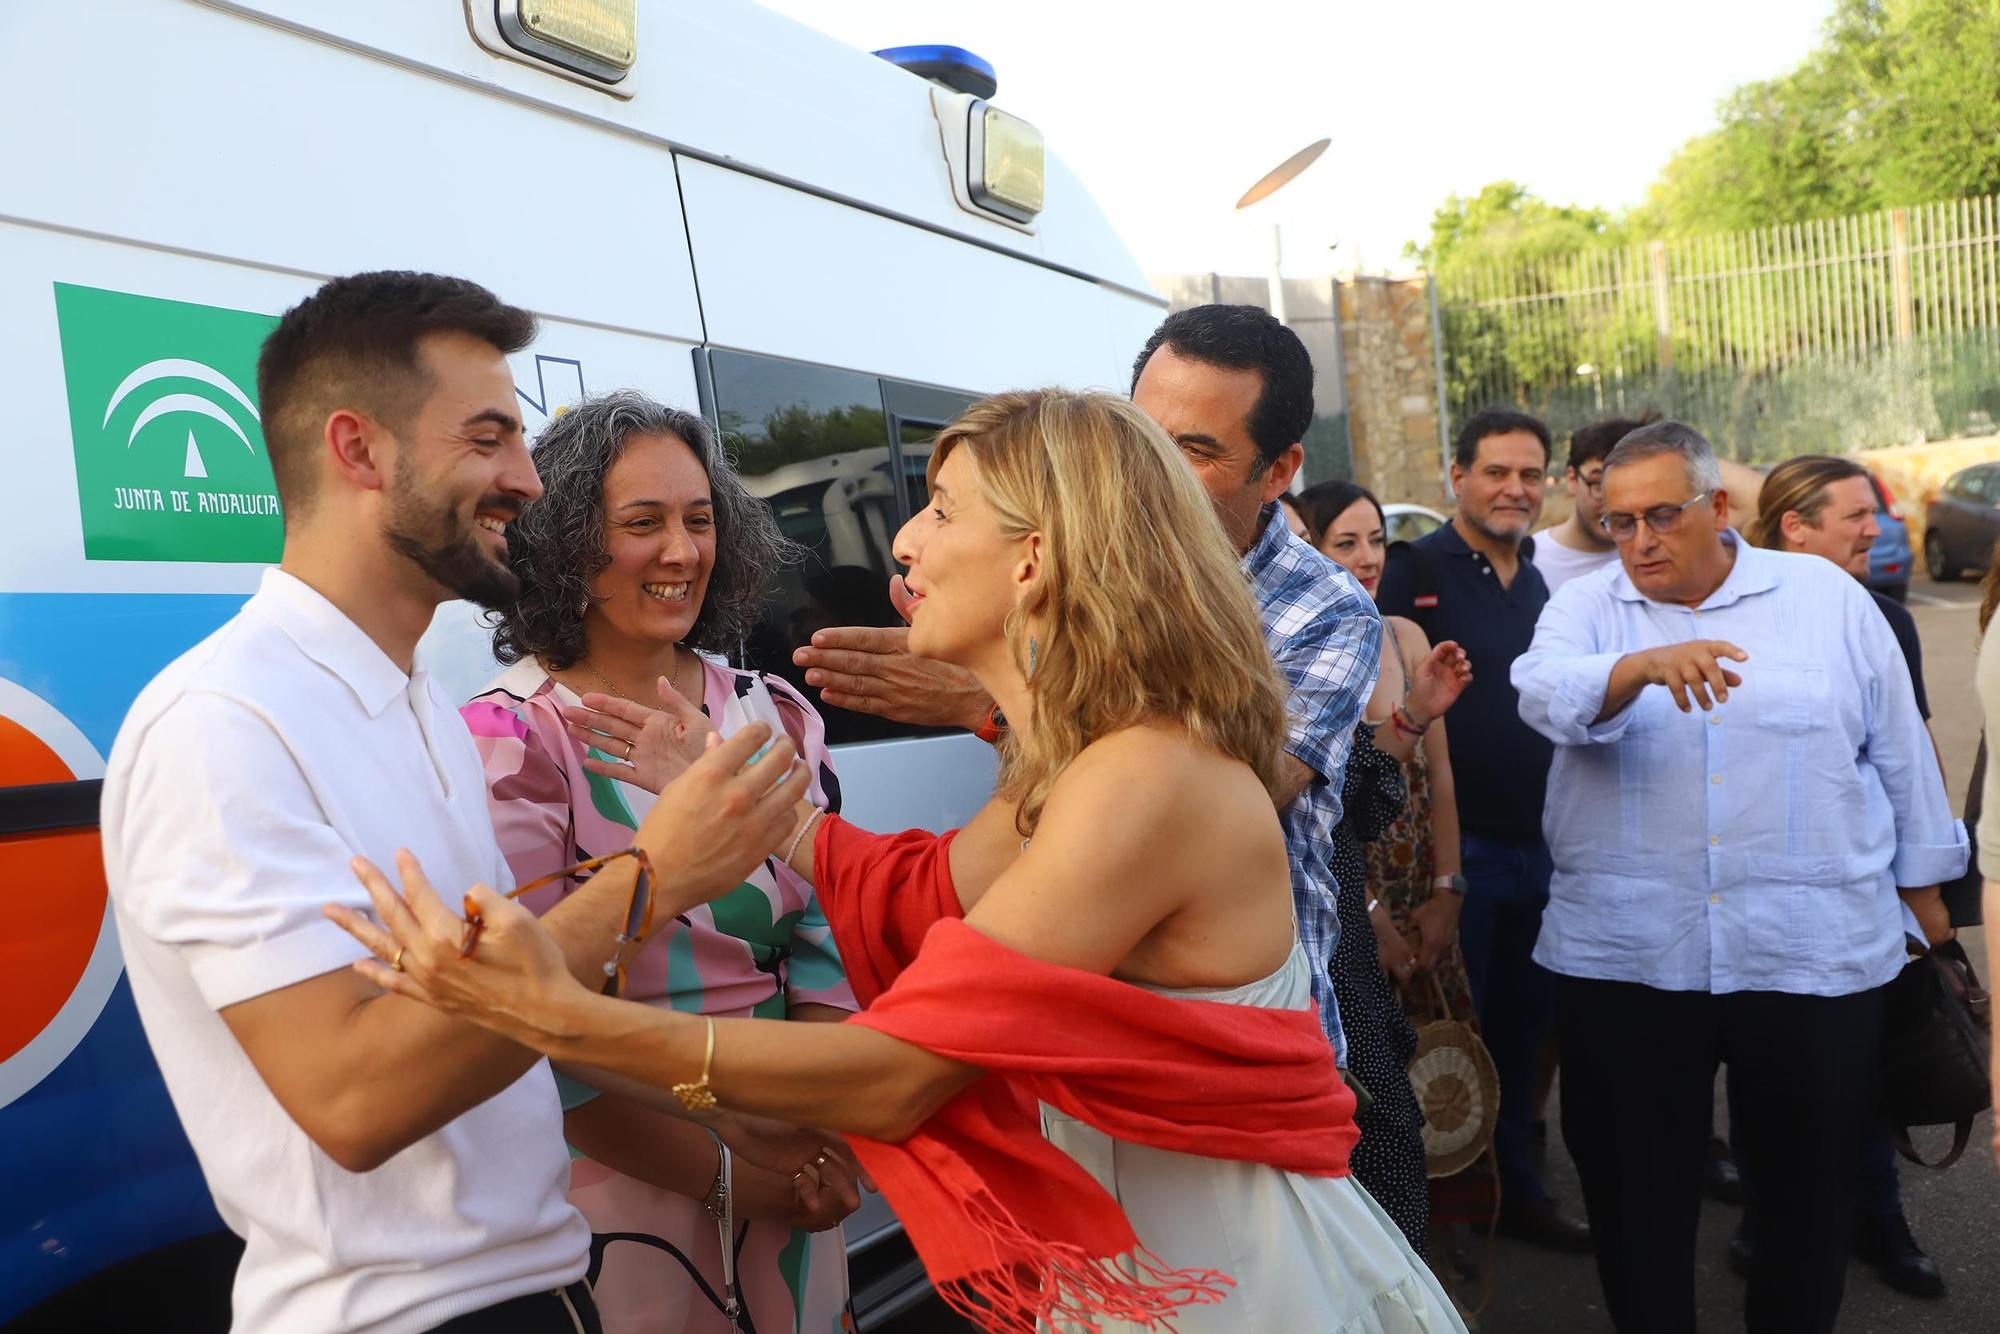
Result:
{"points": [[638, 911]]}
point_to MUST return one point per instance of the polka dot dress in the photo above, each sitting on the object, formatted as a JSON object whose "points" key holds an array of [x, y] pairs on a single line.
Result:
{"points": [[1389, 1160]]}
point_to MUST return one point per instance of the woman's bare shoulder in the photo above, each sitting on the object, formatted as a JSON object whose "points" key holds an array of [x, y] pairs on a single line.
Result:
{"points": [[1153, 773], [1415, 643]]}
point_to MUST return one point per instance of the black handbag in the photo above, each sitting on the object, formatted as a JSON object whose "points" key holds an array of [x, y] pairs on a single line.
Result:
{"points": [[1937, 1035]]}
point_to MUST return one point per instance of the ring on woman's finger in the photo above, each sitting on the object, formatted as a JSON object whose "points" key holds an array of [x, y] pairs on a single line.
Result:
{"points": [[628, 750], [397, 962]]}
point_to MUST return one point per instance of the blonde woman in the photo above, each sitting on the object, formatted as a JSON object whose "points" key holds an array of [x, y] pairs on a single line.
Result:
{"points": [[1088, 1076]]}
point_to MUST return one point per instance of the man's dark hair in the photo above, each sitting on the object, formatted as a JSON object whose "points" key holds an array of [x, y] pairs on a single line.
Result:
{"points": [[1595, 441], [1246, 338], [353, 343], [1496, 421]]}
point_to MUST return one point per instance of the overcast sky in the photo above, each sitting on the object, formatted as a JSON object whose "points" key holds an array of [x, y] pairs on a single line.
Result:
{"points": [[1169, 120]]}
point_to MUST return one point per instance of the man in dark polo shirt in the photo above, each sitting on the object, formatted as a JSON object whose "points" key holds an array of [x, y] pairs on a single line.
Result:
{"points": [[1474, 581]]}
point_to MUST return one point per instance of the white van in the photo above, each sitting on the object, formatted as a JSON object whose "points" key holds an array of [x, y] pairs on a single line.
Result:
{"points": [[828, 254]]}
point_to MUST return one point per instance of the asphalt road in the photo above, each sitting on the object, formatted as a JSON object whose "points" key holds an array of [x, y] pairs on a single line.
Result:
{"points": [[1955, 1214]]}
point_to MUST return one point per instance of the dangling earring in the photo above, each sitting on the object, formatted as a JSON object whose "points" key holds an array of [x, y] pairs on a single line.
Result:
{"points": [[583, 605], [1034, 655]]}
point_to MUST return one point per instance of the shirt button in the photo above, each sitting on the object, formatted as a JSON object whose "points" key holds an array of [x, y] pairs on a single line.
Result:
{"points": [[1715, 778], [1715, 898], [1713, 840], [1714, 720]]}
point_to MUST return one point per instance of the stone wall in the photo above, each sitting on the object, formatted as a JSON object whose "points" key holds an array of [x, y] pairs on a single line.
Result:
{"points": [[1385, 330]]}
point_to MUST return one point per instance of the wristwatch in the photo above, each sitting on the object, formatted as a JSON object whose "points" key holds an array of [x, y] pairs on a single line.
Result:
{"points": [[1455, 883]]}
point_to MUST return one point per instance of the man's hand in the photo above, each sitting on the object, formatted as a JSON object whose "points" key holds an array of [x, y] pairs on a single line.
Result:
{"points": [[716, 822], [1692, 672], [1927, 905], [1439, 680], [870, 669]]}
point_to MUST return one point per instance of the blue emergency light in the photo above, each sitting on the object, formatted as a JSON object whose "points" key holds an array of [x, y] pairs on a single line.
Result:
{"points": [[953, 66]]}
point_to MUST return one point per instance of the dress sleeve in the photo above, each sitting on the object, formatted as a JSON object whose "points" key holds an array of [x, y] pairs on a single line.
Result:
{"points": [[527, 790]]}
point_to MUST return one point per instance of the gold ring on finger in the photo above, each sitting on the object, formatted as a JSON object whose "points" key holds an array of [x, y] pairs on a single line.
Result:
{"points": [[397, 962], [628, 750]]}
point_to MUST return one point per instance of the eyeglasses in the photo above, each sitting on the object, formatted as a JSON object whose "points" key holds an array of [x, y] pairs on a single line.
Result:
{"points": [[638, 911], [1593, 483], [1662, 519]]}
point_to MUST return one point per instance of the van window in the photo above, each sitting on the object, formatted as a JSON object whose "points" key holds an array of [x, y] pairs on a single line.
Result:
{"points": [[818, 445]]}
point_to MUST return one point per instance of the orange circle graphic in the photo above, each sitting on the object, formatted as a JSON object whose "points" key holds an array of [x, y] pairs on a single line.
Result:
{"points": [[55, 894]]}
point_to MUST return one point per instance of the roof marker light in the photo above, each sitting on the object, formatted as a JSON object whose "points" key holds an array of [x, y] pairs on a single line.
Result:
{"points": [[953, 66]]}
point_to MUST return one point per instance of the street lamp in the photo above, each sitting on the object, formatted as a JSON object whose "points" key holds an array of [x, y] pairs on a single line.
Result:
{"points": [[1271, 182]]}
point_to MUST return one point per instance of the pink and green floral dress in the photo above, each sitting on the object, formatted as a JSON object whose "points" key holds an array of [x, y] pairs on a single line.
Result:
{"points": [[756, 951]]}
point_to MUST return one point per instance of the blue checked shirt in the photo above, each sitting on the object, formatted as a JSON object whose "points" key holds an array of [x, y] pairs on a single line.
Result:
{"points": [[1326, 637], [1755, 846]]}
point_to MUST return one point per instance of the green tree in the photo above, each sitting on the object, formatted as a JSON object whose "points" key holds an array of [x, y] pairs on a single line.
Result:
{"points": [[1897, 105], [1507, 223]]}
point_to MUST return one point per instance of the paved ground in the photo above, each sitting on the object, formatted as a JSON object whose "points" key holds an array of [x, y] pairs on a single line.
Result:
{"points": [[1955, 1214]]}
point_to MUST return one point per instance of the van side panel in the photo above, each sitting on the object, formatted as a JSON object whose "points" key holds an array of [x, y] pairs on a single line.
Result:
{"points": [[900, 300]]}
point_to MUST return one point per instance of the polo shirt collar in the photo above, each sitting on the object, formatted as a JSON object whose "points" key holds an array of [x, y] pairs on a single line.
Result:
{"points": [[1272, 534], [325, 634], [1755, 571], [1453, 543]]}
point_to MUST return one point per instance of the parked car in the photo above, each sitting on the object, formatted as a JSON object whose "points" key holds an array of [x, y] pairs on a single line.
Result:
{"points": [[1407, 523], [1890, 559], [1962, 524]]}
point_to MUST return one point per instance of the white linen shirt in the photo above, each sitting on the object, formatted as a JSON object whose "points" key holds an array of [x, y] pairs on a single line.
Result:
{"points": [[1754, 846], [245, 778]]}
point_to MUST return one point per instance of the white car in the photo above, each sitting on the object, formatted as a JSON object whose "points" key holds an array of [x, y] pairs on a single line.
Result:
{"points": [[1407, 523]]}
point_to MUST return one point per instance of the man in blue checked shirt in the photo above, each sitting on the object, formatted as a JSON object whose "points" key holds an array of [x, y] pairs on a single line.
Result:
{"points": [[1233, 387], [1742, 785]]}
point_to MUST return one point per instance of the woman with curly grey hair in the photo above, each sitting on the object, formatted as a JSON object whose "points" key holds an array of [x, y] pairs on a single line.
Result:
{"points": [[644, 551]]}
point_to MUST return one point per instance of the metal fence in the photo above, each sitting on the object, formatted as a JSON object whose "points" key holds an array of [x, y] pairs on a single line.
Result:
{"points": [[1817, 337]]}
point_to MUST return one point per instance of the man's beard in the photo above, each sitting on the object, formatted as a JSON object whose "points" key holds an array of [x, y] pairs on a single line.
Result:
{"points": [[449, 552]]}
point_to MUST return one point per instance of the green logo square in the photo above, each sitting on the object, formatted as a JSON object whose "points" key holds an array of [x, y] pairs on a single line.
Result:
{"points": [[170, 455]]}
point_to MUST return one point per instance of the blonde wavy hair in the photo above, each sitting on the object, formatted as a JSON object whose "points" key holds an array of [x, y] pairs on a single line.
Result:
{"points": [[1142, 609]]}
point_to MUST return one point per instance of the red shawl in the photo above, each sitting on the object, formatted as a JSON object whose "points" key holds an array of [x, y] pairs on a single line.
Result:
{"points": [[1009, 1227]]}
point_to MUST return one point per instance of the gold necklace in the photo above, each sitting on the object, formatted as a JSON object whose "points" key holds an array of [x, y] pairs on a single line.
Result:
{"points": [[606, 682]]}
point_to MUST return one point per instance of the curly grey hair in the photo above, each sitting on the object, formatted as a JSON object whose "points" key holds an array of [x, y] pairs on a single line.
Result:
{"points": [[557, 543]]}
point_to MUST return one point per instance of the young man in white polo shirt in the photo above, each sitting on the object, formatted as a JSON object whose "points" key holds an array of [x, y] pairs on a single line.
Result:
{"points": [[390, 1170]]}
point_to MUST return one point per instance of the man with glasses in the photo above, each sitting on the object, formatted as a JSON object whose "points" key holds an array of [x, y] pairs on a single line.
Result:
{"points": [[1578, 545], [1741, 782]]}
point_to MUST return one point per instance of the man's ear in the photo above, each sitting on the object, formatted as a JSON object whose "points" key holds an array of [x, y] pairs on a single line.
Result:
{"points": [[1721, 503], [361, 452], [1278, 477]]}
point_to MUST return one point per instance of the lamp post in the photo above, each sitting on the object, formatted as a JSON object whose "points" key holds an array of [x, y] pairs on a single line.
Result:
{"points": [[1269, 184]]}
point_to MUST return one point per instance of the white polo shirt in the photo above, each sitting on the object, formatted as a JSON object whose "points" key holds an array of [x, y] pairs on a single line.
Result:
{"points": [[244, 779]]}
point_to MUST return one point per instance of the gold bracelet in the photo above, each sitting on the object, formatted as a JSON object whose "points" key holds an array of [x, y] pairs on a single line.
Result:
{"points": [[697, 1097]]}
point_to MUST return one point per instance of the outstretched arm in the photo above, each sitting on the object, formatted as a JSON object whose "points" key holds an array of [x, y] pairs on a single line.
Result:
{"points": [[1106, 824]]}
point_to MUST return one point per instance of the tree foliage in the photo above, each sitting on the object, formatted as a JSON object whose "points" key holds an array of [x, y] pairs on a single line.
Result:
{"points": [[1899, 104]]}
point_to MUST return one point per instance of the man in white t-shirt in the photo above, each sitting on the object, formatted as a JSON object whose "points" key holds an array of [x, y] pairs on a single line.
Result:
{"points": [[390, 1170], [1578, 544]]}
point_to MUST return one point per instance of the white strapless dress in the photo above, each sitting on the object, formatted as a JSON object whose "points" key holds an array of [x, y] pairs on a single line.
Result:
{"points": [[1310, 1255]]}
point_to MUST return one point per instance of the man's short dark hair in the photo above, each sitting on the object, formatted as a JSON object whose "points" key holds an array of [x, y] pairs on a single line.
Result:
{"points": [[1246, 338], [353, 343], [1590, 443], [1496, 421]]}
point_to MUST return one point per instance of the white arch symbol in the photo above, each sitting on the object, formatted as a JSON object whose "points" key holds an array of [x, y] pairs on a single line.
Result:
{"points": [[181, 368], [167, 403]]}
